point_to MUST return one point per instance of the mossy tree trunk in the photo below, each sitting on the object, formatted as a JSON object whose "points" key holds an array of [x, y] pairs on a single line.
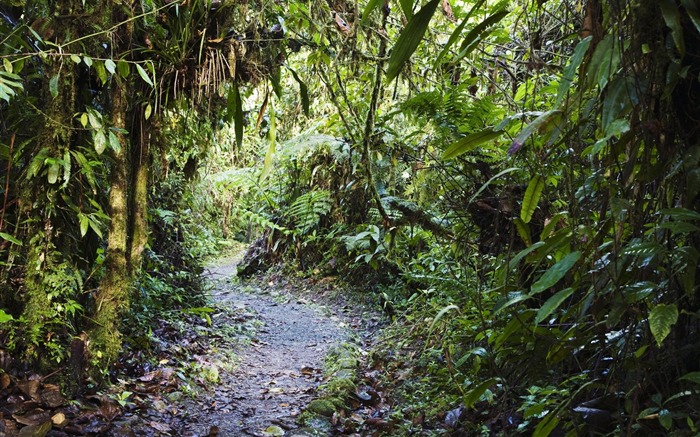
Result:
{"points": [[40, 198], [112, 297]]}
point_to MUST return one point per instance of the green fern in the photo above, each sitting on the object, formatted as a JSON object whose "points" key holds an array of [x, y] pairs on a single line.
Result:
{"points": [[307, 209]]}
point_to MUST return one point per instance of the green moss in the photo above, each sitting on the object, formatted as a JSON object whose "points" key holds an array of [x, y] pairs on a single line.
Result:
{"points": [[322, 407]]}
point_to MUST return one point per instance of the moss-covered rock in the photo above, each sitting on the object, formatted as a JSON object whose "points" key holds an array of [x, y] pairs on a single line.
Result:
{"points": [[322, 407]]}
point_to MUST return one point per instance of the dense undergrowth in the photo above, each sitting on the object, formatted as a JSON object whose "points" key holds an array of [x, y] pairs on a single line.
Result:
{"points": [[516, 181]]}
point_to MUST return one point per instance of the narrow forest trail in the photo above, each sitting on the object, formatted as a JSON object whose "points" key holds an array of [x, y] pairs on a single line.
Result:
{"points": [[277, 373]]}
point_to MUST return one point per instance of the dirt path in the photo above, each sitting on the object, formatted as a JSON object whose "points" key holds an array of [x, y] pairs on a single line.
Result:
{"points": [[278, 372]]}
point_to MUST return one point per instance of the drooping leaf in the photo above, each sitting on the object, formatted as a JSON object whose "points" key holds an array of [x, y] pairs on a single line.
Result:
{"points": [[123, 68], [523, 230], [100, 142], [114, 143], [470, 142], [369, 8], [478, 33], [101, 72], [555, 273], [672, 18], [53, 86], [457, 33], [552, 304], [88, 61], [475, 394], [571, 68], [147, 111], [7, 65], [544, 120], [531, 198], [661, 319], [523, 253], [691, 8], [10, 238], [110, 66], [84, 224], [143, 74], [693, 377], [500, 174], [410, 38], [53, 172], [407, 8], [546, 425], [441, 314]]}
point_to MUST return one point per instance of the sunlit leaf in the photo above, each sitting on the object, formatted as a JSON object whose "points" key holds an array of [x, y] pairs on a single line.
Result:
{"points": [[470, 142], [552, 304], [53, 172], [371, 6], [661, 319], [100, 142], [478, 33], [546, 425], [531, 198], [147, 111], [410, 38], [88, 61], [143, 74], [110, 66], [4, 317], [457, 33], [10, 238], [114, 143], [441, 314], [7, 65], [555, 273], [84, 224]]}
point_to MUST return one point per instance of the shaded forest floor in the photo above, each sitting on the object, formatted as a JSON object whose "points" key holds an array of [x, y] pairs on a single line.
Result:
{"points": [[270, 356]]}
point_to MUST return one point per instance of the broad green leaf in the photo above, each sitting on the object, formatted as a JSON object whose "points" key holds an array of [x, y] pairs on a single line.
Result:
{"points": [[409, 39], [470, 142], [546, 425], [143, 74], [571, 68], [552, 304], [110, 66], [555, 273], [53, 172], [75, 58], [7, 64], [407, 8], [84, 224], [661, 319], [114, 143], [147, 111], [691, 8], [10, 238], [475, 394], [511, 299], [666, 419], [94, 119], [84, 119], [53, 86], [523, 230], [95, 227], [672, 17], [123, 68], [457, 33], [88, 61], [681, 213], [693, 377], [270, 155], [523, 253], [4, 317], [531, 198], [544, 121], [100, 142], [101, 72], [371, 6], [605, 59], [478, 33]]}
